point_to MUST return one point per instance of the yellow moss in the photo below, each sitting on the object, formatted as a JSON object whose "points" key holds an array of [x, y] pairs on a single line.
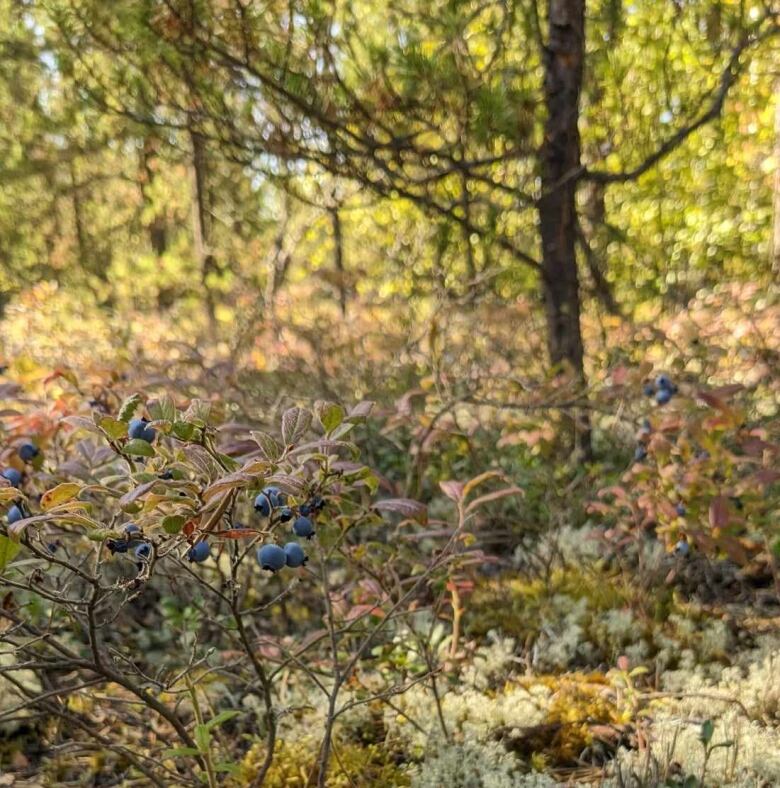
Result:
{"points": [[578, 702], [294, 761]]}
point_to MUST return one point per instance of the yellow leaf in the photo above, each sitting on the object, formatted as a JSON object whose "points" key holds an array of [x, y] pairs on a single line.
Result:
{"points": [[59, 494]]}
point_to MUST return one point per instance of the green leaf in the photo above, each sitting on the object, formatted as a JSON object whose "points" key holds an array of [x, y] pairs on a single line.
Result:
{"points": [[269, 446], [8, 550], [183, 430], [100, 536], [138, 447], [295, 422], [162, 409], [330, 414], [198, 412], [225, 766], [706, 732], [113, 428], [202, 737], [129, 407], [223, 716], [173, 523]]}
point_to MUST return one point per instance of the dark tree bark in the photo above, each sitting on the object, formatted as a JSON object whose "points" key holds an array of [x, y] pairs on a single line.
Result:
{"points": [[338, 258], [82, 241], [280, 260], [560, 169], [201, 221], [775, 250], [157, 226]]}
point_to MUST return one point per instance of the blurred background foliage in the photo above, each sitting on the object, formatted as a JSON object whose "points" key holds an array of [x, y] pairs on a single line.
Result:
{"points": [[142, 177]]}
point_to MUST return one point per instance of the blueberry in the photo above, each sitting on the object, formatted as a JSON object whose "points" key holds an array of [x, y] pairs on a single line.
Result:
{"points": [[166, 475], [305, 509], [52, 547], [27, 451], [117, 545], [317, 503], [682, 548], [640, 453], [199, 552], [295, 555], [15, 513], [286, 514], [13, 476], [663, 382], [271, 557], [130, 528], [138, 430], [303, 527], [263, 505], [648, 389], [143, 551], [663, 396], [680, 509], [275, 496]]}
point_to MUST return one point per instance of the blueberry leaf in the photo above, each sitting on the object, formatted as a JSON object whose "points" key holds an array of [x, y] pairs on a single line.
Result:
{"points": [[138, 447], [269, 446], [8, 550], [295, 422], [330, 414], [59, 495], [129, 407]]}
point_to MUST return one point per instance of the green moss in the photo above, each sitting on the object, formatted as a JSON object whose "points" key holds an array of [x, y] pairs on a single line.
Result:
{"points": [[526, 603]]}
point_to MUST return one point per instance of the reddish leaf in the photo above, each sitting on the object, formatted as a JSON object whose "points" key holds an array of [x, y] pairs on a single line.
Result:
{"points": [[767, 476], [734, 550], [414, 510], [452, 489], [713, 400], [719, 511], [619, 375], [755, 447], [358, 611], [494, 496], [472, 484]]}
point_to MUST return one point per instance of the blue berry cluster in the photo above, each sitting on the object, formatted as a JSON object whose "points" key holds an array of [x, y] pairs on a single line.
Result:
{"points": [[139, 429], [272, 557], [662, 389]]}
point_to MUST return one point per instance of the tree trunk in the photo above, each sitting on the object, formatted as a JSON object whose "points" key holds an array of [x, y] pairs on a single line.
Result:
{"points": [[82, 241], [157, 226], [201, 222], [775, 250], [338, 258], [560, 166]]}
